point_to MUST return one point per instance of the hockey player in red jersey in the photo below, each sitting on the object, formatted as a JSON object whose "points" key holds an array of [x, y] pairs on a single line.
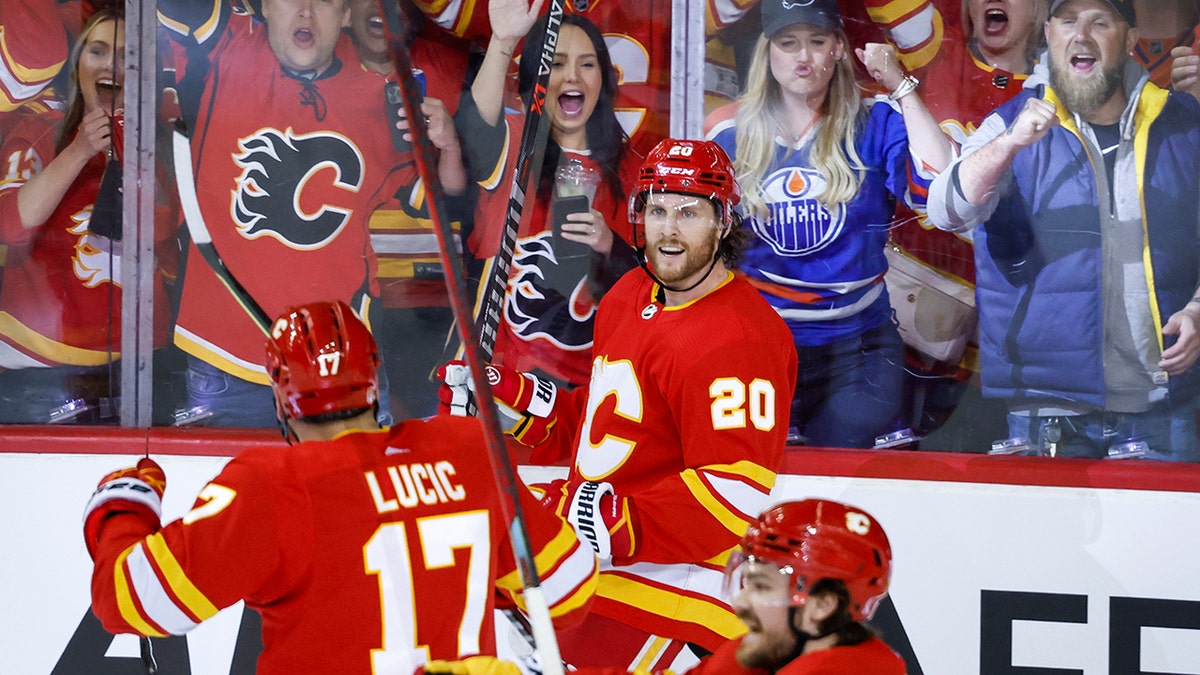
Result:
{"points": [[676, 440], [366, 550], [805, 577]]}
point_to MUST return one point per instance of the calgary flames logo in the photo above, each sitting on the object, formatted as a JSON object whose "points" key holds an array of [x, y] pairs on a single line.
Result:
{"points": [[97, 260], [548, 299], [276, 168]]}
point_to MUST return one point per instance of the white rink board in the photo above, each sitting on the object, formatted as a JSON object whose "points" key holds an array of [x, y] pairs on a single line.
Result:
{"points": [[951, 542]]}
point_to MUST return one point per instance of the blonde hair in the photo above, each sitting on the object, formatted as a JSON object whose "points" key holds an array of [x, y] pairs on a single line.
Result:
{"points": [[761, 117]]}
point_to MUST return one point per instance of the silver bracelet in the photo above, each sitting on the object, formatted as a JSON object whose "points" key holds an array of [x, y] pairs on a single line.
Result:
{"points": [[907, 86]]}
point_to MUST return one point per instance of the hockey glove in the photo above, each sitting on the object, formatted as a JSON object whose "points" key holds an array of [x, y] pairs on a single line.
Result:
{"points": [[475, 665], [525, 402], [136, 490], [600, 518]]}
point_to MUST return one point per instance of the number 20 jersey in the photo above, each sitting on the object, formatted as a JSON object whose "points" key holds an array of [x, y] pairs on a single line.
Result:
{"points": [[368, 553], [686, 414]]}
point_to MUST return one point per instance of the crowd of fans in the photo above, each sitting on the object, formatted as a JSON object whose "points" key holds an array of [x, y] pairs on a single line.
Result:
{"points": [[837, 116]]}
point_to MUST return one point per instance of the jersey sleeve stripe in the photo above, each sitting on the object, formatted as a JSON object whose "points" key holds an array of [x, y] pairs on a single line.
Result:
{"points": [[721, 558], [890, 13], [172, 572], [493, 180], [701, 611], [551, 556], [573, 583], [719, 510], [24, 73], [747, 470], [126, 604], [745, 499], [157, 603]]}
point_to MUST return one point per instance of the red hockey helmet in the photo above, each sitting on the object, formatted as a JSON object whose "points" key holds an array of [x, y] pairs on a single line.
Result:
{"points": [[698, 168], [322, 359], [819, 539]]}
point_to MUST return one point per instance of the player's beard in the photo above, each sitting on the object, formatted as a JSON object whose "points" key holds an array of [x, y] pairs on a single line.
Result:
{"points": [[680, 272], [770, 651], [1084, 94]]}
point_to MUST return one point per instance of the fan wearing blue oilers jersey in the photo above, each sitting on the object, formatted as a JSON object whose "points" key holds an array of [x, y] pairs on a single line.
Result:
{"points": [[821, 171]]}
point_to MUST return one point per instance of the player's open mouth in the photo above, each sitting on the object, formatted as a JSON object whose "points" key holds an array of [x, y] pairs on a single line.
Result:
{"points": [[571, 103], [303, 38], [995, 21], [670, 251]]}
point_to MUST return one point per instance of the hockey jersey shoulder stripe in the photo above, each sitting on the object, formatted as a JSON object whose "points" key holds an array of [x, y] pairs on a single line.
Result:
{"points": [[126, 603], [194, 601]]}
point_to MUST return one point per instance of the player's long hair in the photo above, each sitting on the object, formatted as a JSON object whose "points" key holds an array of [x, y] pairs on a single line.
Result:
{"points": [[74, 112], [606, 139], [761, 117], [849, 632]]}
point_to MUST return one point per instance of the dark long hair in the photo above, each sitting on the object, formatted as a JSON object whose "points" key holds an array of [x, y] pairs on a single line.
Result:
{"points": [[74, 113], [849, 632], [606, 139]]}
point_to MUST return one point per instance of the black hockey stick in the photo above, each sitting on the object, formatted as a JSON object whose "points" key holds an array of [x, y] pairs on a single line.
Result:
{"points": [[201, 237], [506, 476], [529, 167]]}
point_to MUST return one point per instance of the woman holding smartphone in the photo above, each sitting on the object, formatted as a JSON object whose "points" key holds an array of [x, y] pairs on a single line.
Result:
{"points": [[571, 249]]}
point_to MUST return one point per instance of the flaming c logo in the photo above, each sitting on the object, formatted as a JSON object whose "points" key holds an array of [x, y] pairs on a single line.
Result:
{"points": [[277, 167]]}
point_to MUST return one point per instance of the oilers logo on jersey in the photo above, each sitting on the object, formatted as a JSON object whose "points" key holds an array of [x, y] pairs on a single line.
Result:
{"points": [[277, 166], [798, 225]]}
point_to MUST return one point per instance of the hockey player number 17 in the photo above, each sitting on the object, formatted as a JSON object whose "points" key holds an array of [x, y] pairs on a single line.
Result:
{"points": [[735, 402], [387, 555]]}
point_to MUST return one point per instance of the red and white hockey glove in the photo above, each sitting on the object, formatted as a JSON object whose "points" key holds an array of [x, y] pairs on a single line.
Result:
{"points": [[136, 490], [600, 518], [525, 402]]}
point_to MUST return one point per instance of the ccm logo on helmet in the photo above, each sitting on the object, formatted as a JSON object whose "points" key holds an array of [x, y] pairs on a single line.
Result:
{"points": [[676, 171]]}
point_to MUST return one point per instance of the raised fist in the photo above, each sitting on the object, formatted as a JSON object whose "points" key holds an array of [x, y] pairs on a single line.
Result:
{"points": [[137, 490]]}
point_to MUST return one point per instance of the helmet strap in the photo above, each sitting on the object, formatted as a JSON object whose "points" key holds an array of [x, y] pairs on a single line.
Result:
{"points": [[286, 429]]}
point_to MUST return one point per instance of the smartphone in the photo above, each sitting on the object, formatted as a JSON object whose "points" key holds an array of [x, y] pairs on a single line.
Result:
{"points": [[395, 103], [560, 208]]}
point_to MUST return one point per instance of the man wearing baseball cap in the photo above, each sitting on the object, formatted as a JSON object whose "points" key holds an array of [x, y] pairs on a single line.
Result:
{"points": [[1087, 253], [1123, 8]]}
